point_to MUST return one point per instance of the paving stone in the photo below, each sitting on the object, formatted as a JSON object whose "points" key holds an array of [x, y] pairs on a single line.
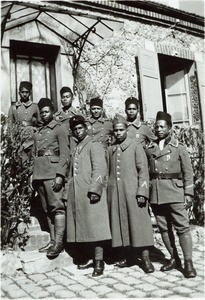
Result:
{"points": [[47, 282], [108, 281], [118, 276], [116, 295], [37, 277], [159, 274], [171, 278], [6, 287], [147, 287], [165, 284], [189, 283], [197, 295], [101, 289], [137, 293], [130, 280], [122, 287], [88, 294], [200, 288], [39, 295], [182, 290], [31, 287], [152, 279], [163, 293], [54, 288], [63, 280], [64, 294], [52, 274], [15, 294], [76, 287], [88, 282]]}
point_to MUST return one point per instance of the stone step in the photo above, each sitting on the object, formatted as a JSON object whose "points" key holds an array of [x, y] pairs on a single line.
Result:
{"points": [[37, 239]]}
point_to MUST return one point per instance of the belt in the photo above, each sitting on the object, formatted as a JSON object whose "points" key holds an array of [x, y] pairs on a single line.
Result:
{"points": [[47, 153], [165, 176]]}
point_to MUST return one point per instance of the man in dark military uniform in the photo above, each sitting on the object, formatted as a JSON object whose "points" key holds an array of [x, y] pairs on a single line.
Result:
{"points": [[26, 114], [171, 177], [67, 111], [128, 192], [87, 210], [136, 129], [99, 128], [51, 155]]}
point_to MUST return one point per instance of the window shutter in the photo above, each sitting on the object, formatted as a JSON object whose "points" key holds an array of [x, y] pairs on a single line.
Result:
{"points": [[201, 84], [150, 84]]}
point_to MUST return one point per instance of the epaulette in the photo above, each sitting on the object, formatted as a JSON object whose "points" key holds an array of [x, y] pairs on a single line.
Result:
{"points": [[174, 143]]}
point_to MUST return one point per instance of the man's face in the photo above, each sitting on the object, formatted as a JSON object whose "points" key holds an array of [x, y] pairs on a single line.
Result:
{"points": [[66, 99], [24, 94], [120, 132], [131, 111], [80, 132], [46, 114], [162, 130], [96, 111]]}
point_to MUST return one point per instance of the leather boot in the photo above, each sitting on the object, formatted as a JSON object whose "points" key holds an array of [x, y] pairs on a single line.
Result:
{"points": [[122, 263], [147, 266], [58, 246], [189, 271], [172, 264], [98, 268], [52, 237]]}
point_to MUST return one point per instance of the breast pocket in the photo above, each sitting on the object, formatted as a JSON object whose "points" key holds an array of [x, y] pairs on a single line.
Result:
{"points": [[54, 159], [178, 183]]}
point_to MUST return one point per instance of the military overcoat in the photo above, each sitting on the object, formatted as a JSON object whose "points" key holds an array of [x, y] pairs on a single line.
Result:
{"points": [[63, 117], [128, 177], [87, 222], [50, 151], [100, 130], [172, 161], [140, 133]]}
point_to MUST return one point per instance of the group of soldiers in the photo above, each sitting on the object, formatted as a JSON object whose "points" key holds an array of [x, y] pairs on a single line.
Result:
{"points": [[97, 179]]}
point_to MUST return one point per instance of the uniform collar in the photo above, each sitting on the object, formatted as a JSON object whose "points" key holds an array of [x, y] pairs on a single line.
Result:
{"points": [[26, 104], [70, 110], [92, 120], [124, 145], [135, 123], [50, 125], [82, 144]]}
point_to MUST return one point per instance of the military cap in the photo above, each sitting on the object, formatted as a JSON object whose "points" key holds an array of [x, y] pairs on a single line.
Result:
{"points": [[25, 84], [119, 119], [132, 100], [65, 89], [76, 120], [96, 102], [45, 102], [164, 116]]}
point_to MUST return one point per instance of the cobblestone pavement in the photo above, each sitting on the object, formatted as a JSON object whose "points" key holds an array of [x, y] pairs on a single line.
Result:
{"points": [[132, 282]]}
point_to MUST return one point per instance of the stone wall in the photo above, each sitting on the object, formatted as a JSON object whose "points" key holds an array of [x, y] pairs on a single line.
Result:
{"points": [[108, 69]]}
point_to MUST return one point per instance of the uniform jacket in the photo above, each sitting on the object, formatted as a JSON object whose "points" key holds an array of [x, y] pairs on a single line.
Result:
{"points": [[53, 137], [64, 117], [100, 130], [173, 159], [28, 116], [128, 177], [140, 132], [87, 222]]}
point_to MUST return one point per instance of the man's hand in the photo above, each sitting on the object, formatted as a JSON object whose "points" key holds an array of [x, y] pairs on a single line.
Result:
{"points": [[141, 200], [57, 184], [187, 201], [94, 198]]}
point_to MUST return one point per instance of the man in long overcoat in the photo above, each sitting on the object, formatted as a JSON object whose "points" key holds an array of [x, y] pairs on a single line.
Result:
{"points": [[128, 192], [87, 211], [51, 156], [171, 177]]}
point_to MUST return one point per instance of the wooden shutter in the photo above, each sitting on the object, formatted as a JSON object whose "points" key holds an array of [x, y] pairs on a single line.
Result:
{"points": [[201, 83], [150, 84]]}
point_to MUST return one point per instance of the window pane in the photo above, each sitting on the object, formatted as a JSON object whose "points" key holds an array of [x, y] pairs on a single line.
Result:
{"points": [[177, 107]]}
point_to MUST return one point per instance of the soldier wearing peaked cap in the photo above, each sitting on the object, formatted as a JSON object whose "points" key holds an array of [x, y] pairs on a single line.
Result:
{"points": [[99, 127], [128, 193], [51, 156], [137, 130], [171, 177], [26, 114], [87, 211]]}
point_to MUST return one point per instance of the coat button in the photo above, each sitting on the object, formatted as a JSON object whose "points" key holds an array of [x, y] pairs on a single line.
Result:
{"points": [[156, 169]]}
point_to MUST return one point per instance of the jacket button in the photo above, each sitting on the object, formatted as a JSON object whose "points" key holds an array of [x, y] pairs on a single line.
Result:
{"points": [[156, 169]]}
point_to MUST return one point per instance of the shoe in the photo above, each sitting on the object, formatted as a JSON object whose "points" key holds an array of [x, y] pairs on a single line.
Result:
{"points": [[122, 263], [98, 268], [189, 271], [83, 266], [172, 264], [147, 266], [55, 250], [47, 247]]}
